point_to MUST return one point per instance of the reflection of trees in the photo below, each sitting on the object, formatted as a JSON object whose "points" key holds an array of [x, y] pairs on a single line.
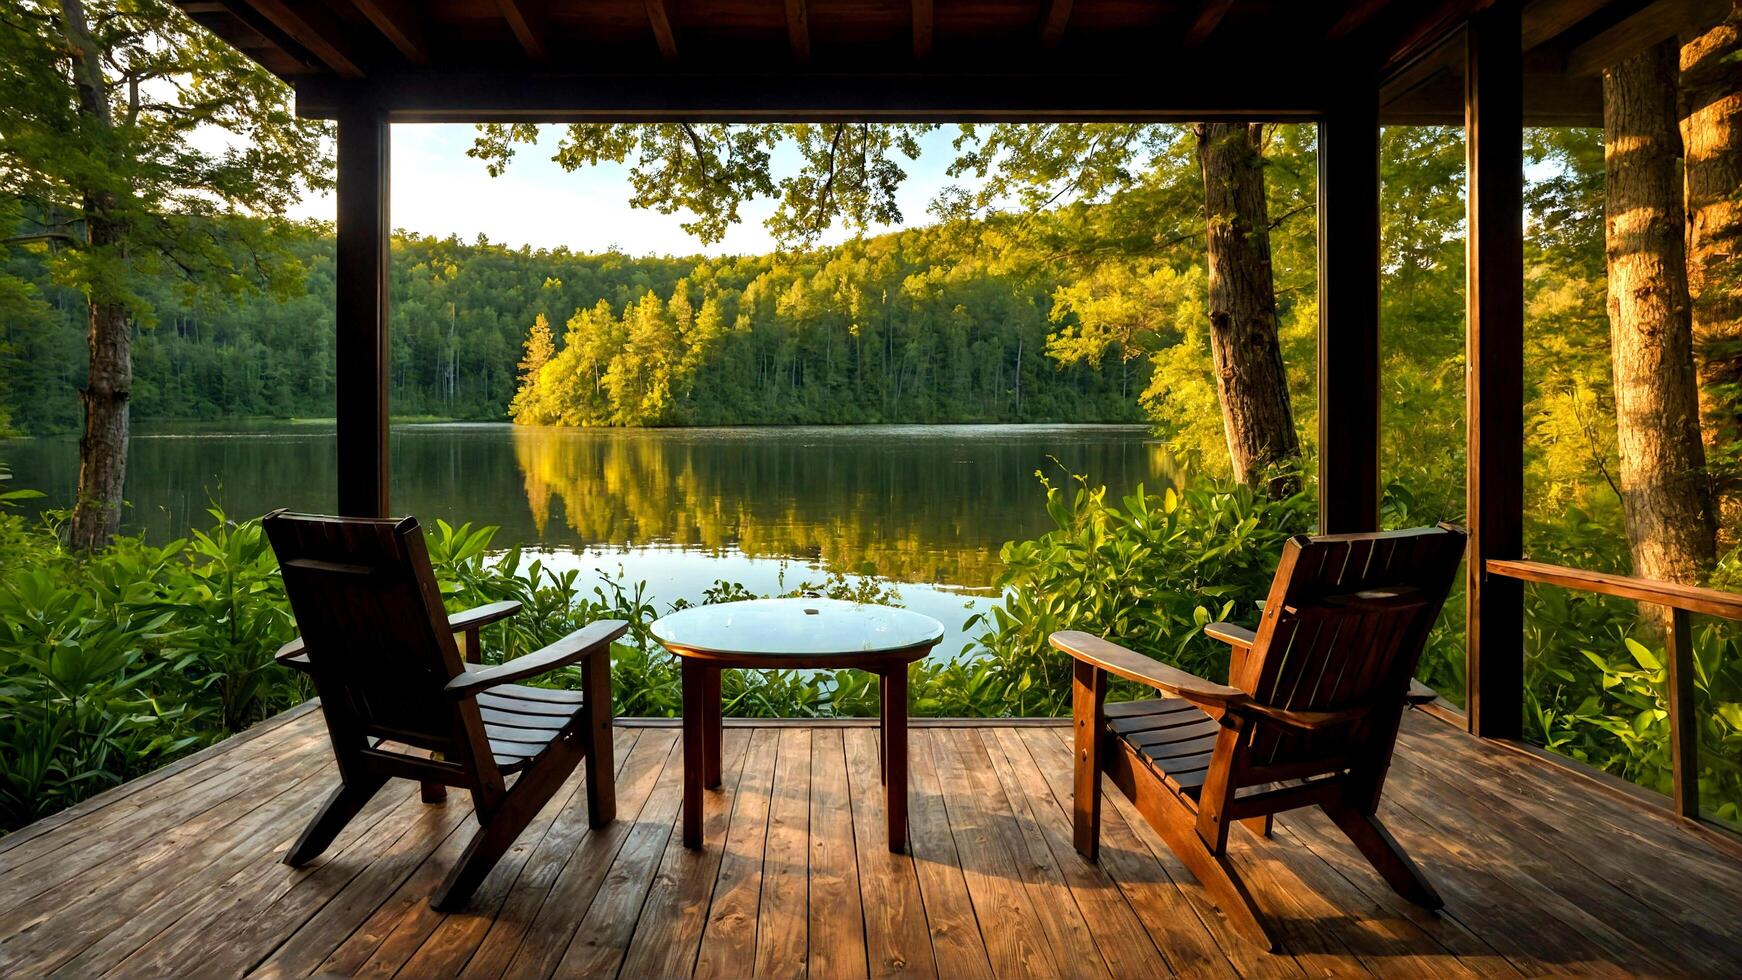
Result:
{"points": [[910, 506]]}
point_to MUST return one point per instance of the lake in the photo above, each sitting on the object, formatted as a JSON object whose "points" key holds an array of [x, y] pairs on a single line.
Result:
{"points": [[923, 507]]}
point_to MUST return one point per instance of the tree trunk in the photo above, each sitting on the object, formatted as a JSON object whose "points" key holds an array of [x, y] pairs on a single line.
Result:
{"points": [[1250, 379], [103, 446], [1667, 500], [1711, 126]]}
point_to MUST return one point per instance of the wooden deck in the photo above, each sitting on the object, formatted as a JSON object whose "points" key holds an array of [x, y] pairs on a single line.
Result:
{"points": [[177, 874]]}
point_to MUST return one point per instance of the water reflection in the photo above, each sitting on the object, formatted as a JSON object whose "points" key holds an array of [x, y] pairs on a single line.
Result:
{"points": [[909, 503]]}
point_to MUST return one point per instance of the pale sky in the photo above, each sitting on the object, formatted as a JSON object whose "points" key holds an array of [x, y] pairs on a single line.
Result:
{"points": [[438, 190]]}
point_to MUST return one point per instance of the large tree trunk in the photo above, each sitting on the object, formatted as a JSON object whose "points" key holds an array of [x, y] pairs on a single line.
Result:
{"points": [[103, 447], [1663, 481], [1250, 379], [1711, 126]]}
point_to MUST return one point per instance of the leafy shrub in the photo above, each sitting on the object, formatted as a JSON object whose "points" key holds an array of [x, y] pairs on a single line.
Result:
{"points": [[1152, 571]]}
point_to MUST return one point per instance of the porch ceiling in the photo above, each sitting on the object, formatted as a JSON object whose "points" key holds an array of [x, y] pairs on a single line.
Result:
{"points": [[555, 60]]}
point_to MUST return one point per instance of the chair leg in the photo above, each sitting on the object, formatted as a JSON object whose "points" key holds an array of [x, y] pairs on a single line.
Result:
{"points": [[1088, 699], [601, 764], [343, 804], [1216, 873], [1383, 852], [1260, 826], [519, 805]]}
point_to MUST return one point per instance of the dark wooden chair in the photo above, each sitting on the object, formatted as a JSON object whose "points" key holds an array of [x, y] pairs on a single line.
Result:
{"points": [[400, 701], [1309, 715]]}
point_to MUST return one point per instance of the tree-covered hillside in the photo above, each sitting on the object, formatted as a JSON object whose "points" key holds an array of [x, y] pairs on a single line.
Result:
{"points": [[887, 329]]}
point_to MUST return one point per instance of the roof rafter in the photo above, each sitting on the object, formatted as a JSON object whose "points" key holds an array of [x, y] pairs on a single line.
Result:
{"points": [[399, 23], [1663, 19], [659, 18], [798, 31], [1054, 22], [1209, 17], [1354, 18], [526, 27], [316, 31], [922, 29]]}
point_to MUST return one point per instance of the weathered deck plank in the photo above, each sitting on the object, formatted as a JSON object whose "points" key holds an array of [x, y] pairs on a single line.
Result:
{"points": [[179, 875]]}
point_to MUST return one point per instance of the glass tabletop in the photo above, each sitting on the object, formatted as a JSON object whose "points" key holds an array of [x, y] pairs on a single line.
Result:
{"points": [[796, 627]]}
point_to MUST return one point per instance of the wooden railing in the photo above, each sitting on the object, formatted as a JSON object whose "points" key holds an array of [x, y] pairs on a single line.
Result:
{"points": [[1682, 601]]}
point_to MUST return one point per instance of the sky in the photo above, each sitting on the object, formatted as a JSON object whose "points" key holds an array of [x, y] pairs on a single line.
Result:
{"points": [[438, 190]]}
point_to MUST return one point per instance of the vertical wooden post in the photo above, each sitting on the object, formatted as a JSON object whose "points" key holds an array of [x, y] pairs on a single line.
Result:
{"points": [[1349, 314], [1494, 134], [1684, 732], [361, 273]]}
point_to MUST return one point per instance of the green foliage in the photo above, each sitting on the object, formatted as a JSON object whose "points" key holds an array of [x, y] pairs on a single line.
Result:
{"points": [[1151, 571]]}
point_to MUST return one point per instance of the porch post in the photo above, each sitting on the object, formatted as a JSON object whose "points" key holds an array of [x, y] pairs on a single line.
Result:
{"points": [[1494, 134], [1349, 313], [361, 348]]}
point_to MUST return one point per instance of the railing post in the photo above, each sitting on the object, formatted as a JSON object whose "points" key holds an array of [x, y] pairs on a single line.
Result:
{"points": [[1684, 742], [1494, 136]]}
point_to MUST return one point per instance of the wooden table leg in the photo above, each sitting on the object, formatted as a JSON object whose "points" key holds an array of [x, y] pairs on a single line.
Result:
{"points": [[882, 728], [694, 750], [711, 727], [895, 755]]}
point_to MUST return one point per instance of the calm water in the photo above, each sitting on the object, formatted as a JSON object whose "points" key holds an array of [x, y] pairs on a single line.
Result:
{"points": [[925, 507]]}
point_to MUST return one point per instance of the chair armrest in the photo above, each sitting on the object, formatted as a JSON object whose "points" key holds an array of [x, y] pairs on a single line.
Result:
{"points": [[293, 655], [1420, 693], [1134, 666], [1234, 636], [1304, 721], [482, 616], [588, 640]]}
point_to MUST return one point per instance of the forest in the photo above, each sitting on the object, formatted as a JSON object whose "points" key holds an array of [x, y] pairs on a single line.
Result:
{"points": [[891, 329]]}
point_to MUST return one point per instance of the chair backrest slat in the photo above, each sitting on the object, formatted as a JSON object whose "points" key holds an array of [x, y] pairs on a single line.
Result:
{"points": [[371, 617], [1344, 627]]}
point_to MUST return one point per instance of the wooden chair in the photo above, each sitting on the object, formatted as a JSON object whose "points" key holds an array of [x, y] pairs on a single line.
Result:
{"points": [[382, 654], [1309, 715]]}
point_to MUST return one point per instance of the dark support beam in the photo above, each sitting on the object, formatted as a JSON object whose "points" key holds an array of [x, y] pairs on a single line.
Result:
{"points": [[397, 22], [1053, 23], [1661, 20], [527, 28], [1354, 17], [798, 31], [316, 31], [1168, 93], [1209, 17], [1545, 20], [361, 350], [1494, 138], [659, 18], [1349, 314], [922, 29]]}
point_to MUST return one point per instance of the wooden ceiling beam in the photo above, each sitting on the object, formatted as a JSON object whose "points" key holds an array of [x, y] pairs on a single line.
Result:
{"points": [[1663, 19], [1545, 20], [399, 24], [922, 29], [316, 31], [798, 31], [527, 27], [1355, 17], [1054, 22], [1209, 16], [659, 18]]}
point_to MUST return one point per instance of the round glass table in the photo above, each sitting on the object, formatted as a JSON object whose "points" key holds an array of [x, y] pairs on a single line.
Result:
{"points": [[801, 633]]}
